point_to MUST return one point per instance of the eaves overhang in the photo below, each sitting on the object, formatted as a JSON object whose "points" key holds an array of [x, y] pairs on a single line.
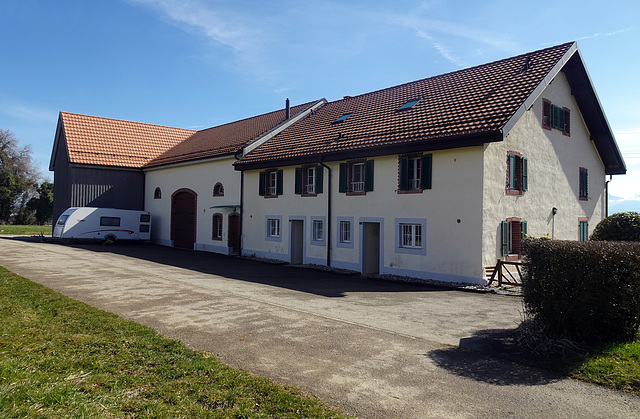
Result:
{"points": [[432, 144]]}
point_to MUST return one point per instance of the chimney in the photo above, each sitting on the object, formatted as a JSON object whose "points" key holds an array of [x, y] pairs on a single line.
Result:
{"points": [[288, 110]]}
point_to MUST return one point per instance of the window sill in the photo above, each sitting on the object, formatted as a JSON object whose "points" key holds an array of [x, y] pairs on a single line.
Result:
{"points": [[583, 198], [514, 192], [356, 193], [409, 191], [270, 196]]}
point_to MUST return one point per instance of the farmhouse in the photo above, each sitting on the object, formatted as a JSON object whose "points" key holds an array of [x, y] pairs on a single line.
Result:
{"points": [[432, 179]]}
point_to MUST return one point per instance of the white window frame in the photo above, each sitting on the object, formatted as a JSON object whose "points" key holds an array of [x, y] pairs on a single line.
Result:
{"points": [[341, 242], [357, 177], [310, 186], [411, 236], [318, 230], [272, 183], [273, 228], [414, 172]]}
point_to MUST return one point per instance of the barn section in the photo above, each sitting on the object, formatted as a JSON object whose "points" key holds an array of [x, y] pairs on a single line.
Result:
{"points": [[98, 161]]}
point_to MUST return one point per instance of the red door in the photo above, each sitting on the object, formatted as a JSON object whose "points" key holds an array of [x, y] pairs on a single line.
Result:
{"points": [[183, 218]]}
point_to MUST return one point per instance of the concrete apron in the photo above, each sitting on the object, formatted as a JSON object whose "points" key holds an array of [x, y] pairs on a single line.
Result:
{"points": [[372, 348]]}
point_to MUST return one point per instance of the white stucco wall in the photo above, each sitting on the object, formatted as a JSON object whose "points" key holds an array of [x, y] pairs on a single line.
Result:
{"points": [[554, 161], [200, 178], [452, 248]]}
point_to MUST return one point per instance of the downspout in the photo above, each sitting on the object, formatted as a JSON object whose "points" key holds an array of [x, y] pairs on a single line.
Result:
{"points": [[328, 212], [606, 197], [241, 152]]}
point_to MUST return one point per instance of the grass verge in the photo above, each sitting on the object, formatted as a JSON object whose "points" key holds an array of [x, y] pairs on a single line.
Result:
{"points": [[25, 230], [616, 365], [63, 358]]}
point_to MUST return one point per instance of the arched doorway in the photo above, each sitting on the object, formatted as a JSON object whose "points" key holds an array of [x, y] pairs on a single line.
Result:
{"points": [[183, 218], [233, 240]]}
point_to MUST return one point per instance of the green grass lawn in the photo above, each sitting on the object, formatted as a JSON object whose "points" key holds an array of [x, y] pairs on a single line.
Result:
{"points": [[25, 230], [63, 358]]}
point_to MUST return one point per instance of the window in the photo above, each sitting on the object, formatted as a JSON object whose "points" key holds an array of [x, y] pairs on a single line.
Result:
{"points": [[356, 178], [411, 235], [273, 228], [157, 194], [110, 221], [410, 104], [308, 180], [218, 189], [342, 118], [145, 218], [62, 219], [270, 183], [584, 229], [414, 173], [216, 226], [344, 234], [556, 117], [318, 230], [517, 173], [583, 193], [513, 231], [144, 228]]}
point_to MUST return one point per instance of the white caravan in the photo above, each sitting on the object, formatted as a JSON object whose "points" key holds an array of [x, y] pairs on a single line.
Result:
{"points": [[105, 224]]}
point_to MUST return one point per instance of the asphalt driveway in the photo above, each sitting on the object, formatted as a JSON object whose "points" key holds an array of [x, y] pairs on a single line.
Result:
{"points": [[373, 348]]}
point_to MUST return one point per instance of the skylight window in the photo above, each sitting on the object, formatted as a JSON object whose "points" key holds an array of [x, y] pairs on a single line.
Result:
{"points": [[343, 118], [410, 104]]}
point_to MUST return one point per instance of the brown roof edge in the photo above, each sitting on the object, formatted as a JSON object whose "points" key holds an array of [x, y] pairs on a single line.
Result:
{"points": [[469, 140]]}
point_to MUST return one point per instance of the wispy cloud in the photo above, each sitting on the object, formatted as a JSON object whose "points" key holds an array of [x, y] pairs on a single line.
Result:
{"points": [[598, 34], [29, 113], [440, 48], [214, 25]]}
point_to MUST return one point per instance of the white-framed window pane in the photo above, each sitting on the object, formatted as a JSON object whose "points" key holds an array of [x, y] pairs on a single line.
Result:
{"points": [[318, 230], [414, 172], [273, 182], [411, 235], [273, 227], [357, 177], [311, 184], [345, 231]]}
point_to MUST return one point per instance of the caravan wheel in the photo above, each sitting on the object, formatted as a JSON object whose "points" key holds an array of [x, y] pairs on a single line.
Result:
{"points": [[109, 240]]}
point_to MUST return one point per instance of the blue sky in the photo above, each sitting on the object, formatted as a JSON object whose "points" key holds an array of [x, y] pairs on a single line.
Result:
{"points": [[200, 63]]}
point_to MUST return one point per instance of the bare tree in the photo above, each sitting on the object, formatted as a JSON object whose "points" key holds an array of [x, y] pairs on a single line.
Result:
{"points": [[18, 175]]}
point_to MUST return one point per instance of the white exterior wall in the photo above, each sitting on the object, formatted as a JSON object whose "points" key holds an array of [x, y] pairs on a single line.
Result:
{"points": [[200, 178], [451, 248], [554, 162]]}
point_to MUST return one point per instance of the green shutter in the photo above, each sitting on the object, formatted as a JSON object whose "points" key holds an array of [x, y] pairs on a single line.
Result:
{"points": [[297, 188], [567, 121], [427, 168], [525, 174], [319, 178], [505, 238], [524, 229], [342, 186], [279, 182], [404, 173], [512, 171], [368, 176], [261, 183]]}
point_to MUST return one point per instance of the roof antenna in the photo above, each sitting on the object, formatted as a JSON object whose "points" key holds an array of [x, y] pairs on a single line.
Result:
{"points": [[288, 110], [527, 64]]}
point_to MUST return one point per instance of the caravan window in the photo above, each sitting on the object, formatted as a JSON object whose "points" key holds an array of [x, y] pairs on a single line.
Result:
{"points": [[145, 218], [110, 221], [62, 219]]}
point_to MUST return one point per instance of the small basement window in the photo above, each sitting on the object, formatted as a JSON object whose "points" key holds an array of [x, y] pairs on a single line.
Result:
{"points": [[410, 104], [342, 118]]}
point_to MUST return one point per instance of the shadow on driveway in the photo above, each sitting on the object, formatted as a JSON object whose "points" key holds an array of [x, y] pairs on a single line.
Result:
{"points": [[312, 281]]}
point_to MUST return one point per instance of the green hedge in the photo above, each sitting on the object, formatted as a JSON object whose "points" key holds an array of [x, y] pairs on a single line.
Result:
{"points": [[583, 291], [622, 226]]}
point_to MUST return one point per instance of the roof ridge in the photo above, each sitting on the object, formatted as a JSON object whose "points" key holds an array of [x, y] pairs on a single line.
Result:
{"points": [[124, 120], [466, 69]]}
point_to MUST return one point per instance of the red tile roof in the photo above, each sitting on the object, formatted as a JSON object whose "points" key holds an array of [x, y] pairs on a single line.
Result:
{"points": [[477, 101], [225, 139], [112, 142]]}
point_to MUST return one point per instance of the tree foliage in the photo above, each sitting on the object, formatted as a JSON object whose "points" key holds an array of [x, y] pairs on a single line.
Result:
{"points": [[18, 176], [622, 226], [42, 205]]}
